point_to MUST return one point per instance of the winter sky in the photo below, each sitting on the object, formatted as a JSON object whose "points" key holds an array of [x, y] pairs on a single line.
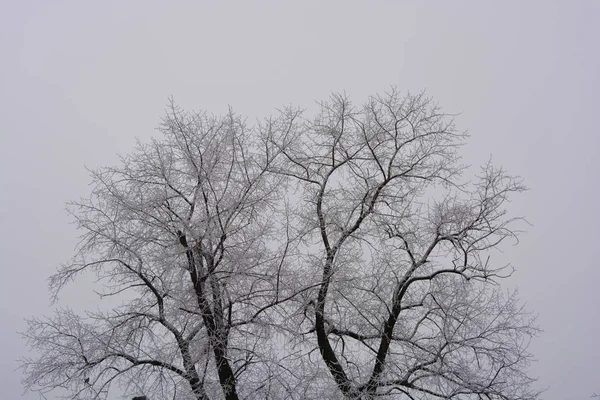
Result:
{"points": [[79, 81]]}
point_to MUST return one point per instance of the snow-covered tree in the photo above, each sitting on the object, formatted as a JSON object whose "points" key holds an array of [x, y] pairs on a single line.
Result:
{"points": [[338, 256]]}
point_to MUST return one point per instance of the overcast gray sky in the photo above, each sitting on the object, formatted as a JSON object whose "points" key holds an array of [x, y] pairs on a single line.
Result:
{"points": [[79, 81]]}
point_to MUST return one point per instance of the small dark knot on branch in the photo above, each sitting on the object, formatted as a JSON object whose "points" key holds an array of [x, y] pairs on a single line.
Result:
{"points": [[182, 238]]}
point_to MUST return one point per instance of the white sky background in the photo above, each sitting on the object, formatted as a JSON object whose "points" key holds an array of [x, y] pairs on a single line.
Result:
{"points": [[80, 80]]}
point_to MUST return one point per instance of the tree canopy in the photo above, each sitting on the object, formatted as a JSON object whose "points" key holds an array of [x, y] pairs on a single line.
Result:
{"points": [[341, 255]]}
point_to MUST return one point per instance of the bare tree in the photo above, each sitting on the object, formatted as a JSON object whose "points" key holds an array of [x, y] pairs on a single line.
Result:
{"points": [[241, 252], [182, 230], [405, 303]]}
